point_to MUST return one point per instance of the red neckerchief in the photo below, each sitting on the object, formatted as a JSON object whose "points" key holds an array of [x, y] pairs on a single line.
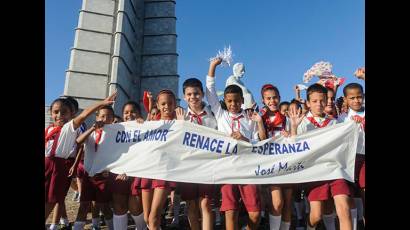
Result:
{"points": [[314, 122], [233, 119], [362, 120], [53, 135], [198, 117], [98, 134], [271, 126]]}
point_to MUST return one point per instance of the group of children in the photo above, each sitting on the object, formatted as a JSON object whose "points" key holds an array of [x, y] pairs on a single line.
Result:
{"points": [[116, 195]]}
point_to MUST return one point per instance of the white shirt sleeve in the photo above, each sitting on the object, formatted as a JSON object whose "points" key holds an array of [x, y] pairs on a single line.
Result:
{"points": [[66, 141], [211, 96]]}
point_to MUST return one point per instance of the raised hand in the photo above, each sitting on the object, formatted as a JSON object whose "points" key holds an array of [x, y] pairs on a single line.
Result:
{"points": [[295, 116], [180, 113], [360, 73], [284, 133], [122, 177], [110, 99], [256, 117]]}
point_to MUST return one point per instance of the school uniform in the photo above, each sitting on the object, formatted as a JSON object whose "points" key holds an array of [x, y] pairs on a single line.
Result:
{"points": [[322, 190], [149, 184], [192, 191], [359, 171], [59, 142], [96, 188], [228, 123]]}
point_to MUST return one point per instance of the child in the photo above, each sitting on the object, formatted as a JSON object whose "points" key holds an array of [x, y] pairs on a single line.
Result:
{"points": [[284, 107], [197, 196], [154, 192], [59, 140], [126, 196], [275, 122], [117, 119], [353, 96], [95, 188], [320, 191], [330, 108], [238, 125]]}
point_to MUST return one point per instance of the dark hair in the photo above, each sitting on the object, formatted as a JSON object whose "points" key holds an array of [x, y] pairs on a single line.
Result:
{"points": [[74, 102], [296, 102], [107, 107], [118, 117], [283, 103], [134, 104], [269, 87], [233, 89], [352, 86], [167, 91], [192, 82], [64, 102], [316, 88]]}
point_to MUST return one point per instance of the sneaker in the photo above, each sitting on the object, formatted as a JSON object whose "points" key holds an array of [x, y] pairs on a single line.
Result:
{"points": [[102, 220]]}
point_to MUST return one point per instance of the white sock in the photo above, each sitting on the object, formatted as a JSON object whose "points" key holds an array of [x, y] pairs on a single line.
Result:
{"points": [[177, 205], [359, 207], [79, 225], [353, 213], [64, 221], [53, 227], [330, 221], [139, 221], [96, 222], [109, 223], [284, 225], [121, 222], [298, 208], [274, 222]]}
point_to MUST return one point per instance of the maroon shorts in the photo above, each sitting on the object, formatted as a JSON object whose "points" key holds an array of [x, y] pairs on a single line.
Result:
{"points": [[249, 193], [362, 178], [80, 170], [190, 191], [323, 190], [127, 187], [148, 184], [56, 179], [359, 170], [95, 188]]}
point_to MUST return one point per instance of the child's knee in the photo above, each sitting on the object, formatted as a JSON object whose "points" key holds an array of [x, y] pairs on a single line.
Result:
{"points": [[254, 216]]}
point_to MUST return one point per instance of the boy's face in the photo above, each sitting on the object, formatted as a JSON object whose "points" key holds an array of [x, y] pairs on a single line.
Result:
{"points": [[330, 101], [284, 110], [193, 96], [60, 114], [130, 113], [233, 102], [317, 103], [271, 99], [105, 116], [354, 99], [166, 105]]}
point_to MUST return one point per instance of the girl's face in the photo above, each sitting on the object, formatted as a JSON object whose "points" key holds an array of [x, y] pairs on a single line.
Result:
{"points": [[129, 113], [330, 102], [271, 99], [284, 110], [166, 104], [60, 114], [154, 113]]}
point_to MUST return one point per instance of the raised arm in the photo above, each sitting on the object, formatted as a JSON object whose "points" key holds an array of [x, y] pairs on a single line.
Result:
{"points": [[77, 121], [210, 93]]}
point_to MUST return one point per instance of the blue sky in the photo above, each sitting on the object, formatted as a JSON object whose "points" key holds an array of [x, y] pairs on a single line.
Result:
{"points": [[277, 40]]}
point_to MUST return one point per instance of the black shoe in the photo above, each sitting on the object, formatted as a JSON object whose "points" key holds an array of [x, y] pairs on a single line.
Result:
{"points": [[64, 227]]}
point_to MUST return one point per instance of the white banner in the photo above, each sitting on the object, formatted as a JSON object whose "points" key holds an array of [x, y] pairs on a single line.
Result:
{"points": [[185, 152]]}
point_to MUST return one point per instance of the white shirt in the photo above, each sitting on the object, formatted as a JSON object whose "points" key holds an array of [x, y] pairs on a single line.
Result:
{"points": [[65, 142], [207, 119], [361, 141], [306, 125], [246, 126]]}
